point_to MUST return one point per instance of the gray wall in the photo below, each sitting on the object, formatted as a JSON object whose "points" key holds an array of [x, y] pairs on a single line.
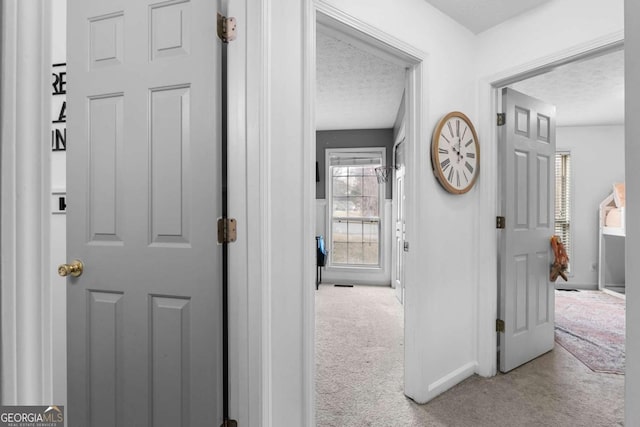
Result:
{"points": [[351, 139], [597, 159]]}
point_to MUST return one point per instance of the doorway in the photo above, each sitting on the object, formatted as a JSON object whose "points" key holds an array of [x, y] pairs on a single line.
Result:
{"points": [[400, 125], [590, 111]]}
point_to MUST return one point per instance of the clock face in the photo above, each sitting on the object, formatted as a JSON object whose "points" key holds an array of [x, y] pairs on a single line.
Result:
{"points": [[455, 153]]}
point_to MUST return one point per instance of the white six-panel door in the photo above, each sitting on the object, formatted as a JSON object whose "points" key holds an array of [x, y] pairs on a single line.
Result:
{"points": [[144, 319], [526, 297]]}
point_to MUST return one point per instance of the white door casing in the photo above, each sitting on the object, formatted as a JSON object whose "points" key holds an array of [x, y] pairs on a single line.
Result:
{"points": [[526, 297], [400, 226], [144, 319]]}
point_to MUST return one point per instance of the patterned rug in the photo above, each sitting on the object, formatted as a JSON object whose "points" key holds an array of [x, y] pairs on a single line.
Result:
{"points": [[591, 326]]}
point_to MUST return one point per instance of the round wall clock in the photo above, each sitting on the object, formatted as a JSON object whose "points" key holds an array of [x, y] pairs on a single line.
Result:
{"points": [[455, 153]]}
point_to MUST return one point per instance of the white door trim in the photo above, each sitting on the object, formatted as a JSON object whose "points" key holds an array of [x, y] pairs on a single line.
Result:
{"points": [[25, 282], [250, 400], [488, 185]]}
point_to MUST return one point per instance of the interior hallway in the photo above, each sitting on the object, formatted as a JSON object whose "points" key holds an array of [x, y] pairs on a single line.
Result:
{"points": [[359, 376]]}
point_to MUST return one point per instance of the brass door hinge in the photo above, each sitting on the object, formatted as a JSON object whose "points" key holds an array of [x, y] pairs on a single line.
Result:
{"points": [[227, 230], [226, 28], [499, 325], [500, 222], [502, 119]]}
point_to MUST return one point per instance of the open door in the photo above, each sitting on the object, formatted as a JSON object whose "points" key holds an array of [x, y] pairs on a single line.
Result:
{"points": [[145, 322], [527, 148], [400, 228]]}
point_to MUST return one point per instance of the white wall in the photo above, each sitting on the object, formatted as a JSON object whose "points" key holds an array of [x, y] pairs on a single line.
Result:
{"points": [[543, 32], [597, 161], [632, 151]]}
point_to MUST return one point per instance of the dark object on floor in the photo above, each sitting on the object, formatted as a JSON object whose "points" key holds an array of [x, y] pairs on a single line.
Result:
{"points": [[343, 286], [568, 290], [321, 259], [591, 326]]}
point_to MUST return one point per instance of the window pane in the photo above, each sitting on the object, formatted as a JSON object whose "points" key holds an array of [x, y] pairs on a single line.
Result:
{"points": [[355, 253], [370, 232], [339, 231], [370, 186], [371, 253], [339, 253], [340, 205], [339, 171], [370, 170], [355, 171], [355, 207], [339, 186], [355, 185], [370, 206], [355, 231]]}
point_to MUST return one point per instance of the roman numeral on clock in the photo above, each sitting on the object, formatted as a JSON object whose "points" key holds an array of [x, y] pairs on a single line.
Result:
{"points": [[450, 128], [443, 151], [469, 166]]}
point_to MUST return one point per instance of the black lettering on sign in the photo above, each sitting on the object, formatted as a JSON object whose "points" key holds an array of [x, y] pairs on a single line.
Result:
{"points": [[62, 116], [59, 140], [59, 83]]}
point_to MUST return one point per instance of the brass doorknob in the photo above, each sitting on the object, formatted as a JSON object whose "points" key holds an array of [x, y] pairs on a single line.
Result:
{"points": [[74, 269]]}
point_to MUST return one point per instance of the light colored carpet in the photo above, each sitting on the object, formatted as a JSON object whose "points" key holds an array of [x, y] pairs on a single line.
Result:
{"points": [[359, 365]]}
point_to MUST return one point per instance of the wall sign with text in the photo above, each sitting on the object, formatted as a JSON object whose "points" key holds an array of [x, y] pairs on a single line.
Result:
{"points": [[59, 111]]}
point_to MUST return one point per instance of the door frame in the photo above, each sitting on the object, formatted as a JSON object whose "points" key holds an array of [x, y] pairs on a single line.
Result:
{"points": [[366, 37], [489, 186]]}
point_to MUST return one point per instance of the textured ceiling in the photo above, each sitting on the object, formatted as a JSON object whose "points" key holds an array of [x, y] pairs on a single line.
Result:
{"points": [[479, 15], [354, 89], [589, 92]]}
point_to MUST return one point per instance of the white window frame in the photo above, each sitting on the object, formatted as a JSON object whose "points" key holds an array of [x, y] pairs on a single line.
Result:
{"points": [[349, 152], [571, 244]]}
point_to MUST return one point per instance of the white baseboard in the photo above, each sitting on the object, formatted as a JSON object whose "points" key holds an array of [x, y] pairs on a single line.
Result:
{"points": [[451, 379]]}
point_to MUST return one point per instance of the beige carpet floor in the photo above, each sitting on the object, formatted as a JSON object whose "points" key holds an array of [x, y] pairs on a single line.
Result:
{"points": [[359, 365]]}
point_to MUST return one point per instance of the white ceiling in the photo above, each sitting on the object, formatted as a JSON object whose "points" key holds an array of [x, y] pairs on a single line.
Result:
{"points": [[480, 15], [589, 92], [354, 89]]}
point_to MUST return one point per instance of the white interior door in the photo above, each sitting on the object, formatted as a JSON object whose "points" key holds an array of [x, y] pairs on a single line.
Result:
{"points": [[400, 228], [144, 318], [526, 296]]}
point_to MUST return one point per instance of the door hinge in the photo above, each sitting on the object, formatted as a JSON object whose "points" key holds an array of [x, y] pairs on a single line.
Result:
{"points": [[227, 230], [499, 325], [502, 119], [226, 28], [229, 423], [500, 222]]}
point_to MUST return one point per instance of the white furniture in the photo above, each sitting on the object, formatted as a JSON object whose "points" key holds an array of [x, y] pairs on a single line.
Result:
{"points": [[611, 229]]}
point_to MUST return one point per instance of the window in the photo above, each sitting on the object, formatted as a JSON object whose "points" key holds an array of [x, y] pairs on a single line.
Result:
{"points": [[355, 206], [563, 201]]}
